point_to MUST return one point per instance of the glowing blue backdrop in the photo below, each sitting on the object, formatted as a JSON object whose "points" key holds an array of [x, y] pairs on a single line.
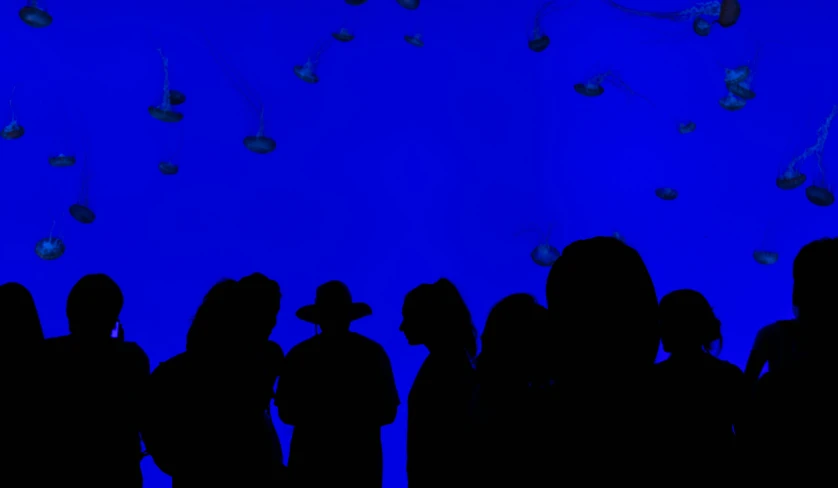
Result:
{"points": [[406, 164]]}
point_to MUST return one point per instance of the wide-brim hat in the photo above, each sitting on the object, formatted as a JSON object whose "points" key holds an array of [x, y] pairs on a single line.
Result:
{"points": [[333, 302]]}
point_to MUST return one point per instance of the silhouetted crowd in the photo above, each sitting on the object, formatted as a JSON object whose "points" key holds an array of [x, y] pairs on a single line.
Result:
{"points": [[567, 394]]}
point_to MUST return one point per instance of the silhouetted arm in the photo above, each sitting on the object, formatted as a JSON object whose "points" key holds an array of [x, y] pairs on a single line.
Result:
{"points": [[757, 359], [289, 391], [388, 402]]}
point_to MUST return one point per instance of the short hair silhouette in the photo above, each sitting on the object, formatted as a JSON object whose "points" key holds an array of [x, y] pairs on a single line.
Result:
{"points": [[94, 304], [600, 296], [514, 329], [816, 277], [259, 300], [21, 326], [688, 323]]}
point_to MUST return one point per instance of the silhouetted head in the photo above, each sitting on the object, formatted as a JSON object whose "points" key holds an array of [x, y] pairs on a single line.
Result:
{"points": [[21, 327], [213, 326], [815, 271], [687, 323], [514, 337], [436, 316], [93, 306], [333, 309], [601, 300], [260, 297]]}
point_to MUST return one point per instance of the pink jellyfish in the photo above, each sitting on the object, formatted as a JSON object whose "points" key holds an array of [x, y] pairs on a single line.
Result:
{"points": [[35, 16], [698, 14], [818, 193], [81, 209], [50, 248], [409, 4], [164, 112], [766, 258], [12, 130]]}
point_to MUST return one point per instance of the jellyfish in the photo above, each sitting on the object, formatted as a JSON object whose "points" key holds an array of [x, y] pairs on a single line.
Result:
{"points": [[766, 258], [308, 71], [729, 13], [544, 254], [686, 127], [415, 39], [697, 14], [818, 193], [12, 130], [539, 40], [164, 111], [593, 87], [731, 102], [343, 35], [50, 248], [168, 168], [619, 237], [260, 143], [666, 193], [81, 209], [176, 97], [356, 2], [408, 4], [62, 160], [35, 16]]}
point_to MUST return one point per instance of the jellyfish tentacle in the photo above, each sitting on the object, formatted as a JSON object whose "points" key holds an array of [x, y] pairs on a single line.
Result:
{"points": [[817, 148], [11, 105], [166, 106], [239, 84]]}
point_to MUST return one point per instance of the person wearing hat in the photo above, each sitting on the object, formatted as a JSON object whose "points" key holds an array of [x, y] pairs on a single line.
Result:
{"points": [[337, 390]]}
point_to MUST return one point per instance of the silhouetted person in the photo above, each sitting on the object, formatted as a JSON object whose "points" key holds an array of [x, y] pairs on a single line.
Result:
{"points": [[513, 379], [440, 407], [205, 422], [95, 384], [603, 319], [792, 423], [699, 396], [774, 345], [20, 352], [337, 391]]}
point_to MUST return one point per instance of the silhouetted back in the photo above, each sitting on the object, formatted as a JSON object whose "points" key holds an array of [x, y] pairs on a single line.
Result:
{"points": [[205, 421], [441, 430], [700, 397], [791, 419], [337, 390], [603, 314], [95, 386], [511, 402], [21, 340]]}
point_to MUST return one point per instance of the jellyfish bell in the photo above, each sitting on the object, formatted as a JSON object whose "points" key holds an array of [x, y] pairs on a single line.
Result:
{"points": [[737, 75], [343, 35], [34, 16], [306, 73], [409, 4], [82, 213], [701, 27], [589, 89], [741, 90], [766, 258], [50, 248], [415, 40], [666, 193], [545, 255], [168, 168], [820, 195], [62, 160], [176, 97], [260, 144], [732, 103], [686, 127], [168, 116], [729, 13], [13, 131], [790, 180], [539, 43], [356, 2]]}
